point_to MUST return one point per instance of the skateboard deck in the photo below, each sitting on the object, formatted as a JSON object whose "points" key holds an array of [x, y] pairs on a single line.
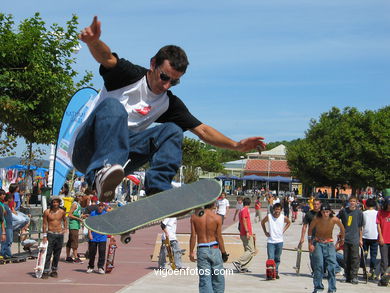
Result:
{"points": [[299, 251], [111, 255], [270, 269], [171, 257], [143, 212], [42, 250]]}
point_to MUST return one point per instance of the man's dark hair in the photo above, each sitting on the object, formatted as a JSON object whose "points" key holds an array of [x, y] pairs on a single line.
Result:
{"points": [[277, 205], [210, 205], [13, 187], [371, 203], [175, 55], [246, 201], [2, 192]]}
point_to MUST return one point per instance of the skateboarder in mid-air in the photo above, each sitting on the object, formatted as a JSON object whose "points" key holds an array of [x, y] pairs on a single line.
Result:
{"points": [[53, 228], [322, 247], [115, 139]]}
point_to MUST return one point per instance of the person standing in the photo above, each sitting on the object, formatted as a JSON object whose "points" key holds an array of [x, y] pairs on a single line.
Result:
{"points": [[370, 235], [322, 247], [278, 224], [239, 206], [97, 242], [247, 238], [352, 219], [257, 209], [309, 216], [75, 220], [222, 206], [383, 224], [53, 228], [206, 229], [294, 209], [168, 225]]}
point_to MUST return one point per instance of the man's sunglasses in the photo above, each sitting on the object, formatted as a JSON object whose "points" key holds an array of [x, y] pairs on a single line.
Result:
{"points": [[165, 77]]}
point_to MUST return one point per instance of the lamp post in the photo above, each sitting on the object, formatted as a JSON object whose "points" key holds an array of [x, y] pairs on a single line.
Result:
{"points": [[269, 170]]}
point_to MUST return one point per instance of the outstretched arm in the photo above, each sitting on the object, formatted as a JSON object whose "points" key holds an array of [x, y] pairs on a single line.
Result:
{"points": [[212, 136], [99, 50]]}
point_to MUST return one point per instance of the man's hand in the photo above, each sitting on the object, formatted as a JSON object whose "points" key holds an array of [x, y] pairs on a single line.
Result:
{"points": [[267, 234], [3, 237], [225, 256], [251, 143], [311, 248], [91, 33], [192, 257]]}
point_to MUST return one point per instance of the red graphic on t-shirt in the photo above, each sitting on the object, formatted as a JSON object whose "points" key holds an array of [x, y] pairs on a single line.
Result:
{"points": [[143, 110]]}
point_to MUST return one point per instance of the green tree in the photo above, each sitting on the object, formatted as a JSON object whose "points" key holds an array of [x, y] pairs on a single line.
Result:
{"points": [[36, 76]]}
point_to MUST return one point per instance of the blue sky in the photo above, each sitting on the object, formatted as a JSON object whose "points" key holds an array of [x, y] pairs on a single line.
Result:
{"points": [[256, 67]]}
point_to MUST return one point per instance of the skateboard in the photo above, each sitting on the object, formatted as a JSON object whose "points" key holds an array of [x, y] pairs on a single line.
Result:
{"points": [[299, 251], [270, 269], [76, 111], [171, 257], [111, 255], [363, 255], [152, 209], [42, 250]]}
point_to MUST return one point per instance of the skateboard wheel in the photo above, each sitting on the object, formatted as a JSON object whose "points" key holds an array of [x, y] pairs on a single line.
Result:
{"points": [[125, 238]]}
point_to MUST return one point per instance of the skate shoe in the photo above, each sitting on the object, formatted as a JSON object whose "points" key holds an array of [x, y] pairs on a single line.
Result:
{"points": [[106, 181]]}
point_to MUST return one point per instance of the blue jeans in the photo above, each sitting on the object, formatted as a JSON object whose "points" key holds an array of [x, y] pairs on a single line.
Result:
{"points": [[210, 270], [324, 253], [372, 245], [274, 251], [6, 245], [19, 221], [176, 254], [106, 139]]}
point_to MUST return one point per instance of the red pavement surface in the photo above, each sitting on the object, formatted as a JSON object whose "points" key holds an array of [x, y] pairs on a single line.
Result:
{"points": [[131, 263]]}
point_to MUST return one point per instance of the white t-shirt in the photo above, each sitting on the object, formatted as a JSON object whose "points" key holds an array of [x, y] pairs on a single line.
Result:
{"points": [[222, 204], [170, 226], [239, 206], [370, 230], [276, 226]]}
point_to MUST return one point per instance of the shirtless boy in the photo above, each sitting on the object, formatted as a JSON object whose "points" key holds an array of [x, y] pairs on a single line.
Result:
{"points": [[54, 225], [206, 230], [322, 247]]}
